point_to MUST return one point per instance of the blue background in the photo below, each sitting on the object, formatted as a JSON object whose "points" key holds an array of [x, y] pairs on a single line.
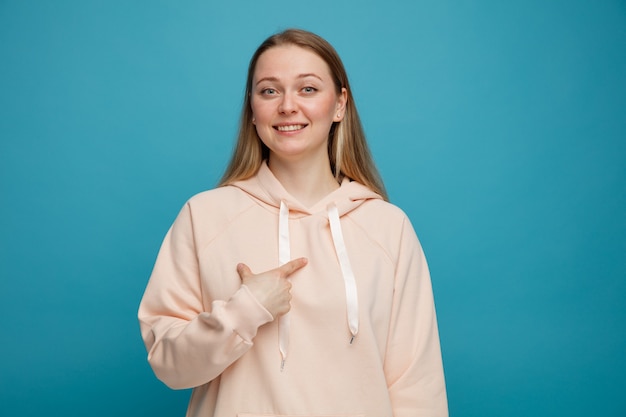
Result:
{"points": [[499, 127]]}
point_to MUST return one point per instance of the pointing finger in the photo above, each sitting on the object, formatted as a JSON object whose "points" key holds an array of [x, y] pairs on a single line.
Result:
{"points": [[292, 266]]}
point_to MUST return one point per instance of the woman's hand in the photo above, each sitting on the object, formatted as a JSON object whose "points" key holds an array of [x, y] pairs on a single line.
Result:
{"points": [[272, 288]]}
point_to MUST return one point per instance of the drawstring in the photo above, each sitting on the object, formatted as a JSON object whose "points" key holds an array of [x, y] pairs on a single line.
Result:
{"points": [[284, 256], [346, 271]]}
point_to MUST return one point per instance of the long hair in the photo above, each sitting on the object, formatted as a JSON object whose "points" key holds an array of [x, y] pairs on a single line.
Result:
{"points": [[348, 151]]}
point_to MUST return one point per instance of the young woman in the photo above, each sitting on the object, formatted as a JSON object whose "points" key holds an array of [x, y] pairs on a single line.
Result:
{"points": [[295, 288]]}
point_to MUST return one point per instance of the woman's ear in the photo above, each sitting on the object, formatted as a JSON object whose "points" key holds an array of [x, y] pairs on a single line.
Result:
{"points": [[340, 110]]}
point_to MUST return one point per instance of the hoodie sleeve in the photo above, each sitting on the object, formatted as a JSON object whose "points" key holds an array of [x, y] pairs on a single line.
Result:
{"points": [[189, 344], [413, 363]]}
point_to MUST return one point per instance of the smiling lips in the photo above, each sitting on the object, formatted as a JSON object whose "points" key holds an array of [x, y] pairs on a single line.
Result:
{"points": [[289, 128]]}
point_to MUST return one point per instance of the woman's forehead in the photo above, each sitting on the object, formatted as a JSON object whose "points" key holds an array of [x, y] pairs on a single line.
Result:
{"points": [[290, 61]]}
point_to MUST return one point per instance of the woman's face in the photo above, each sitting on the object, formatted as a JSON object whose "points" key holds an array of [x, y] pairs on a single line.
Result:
{"points": [[294, 102]]}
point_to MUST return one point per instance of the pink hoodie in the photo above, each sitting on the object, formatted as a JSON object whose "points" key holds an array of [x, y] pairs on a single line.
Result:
{"points": [[361, 338]]}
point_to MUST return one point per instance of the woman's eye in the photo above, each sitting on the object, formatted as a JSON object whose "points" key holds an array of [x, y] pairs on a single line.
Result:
{"points": [[268, 91], [309, 90]]}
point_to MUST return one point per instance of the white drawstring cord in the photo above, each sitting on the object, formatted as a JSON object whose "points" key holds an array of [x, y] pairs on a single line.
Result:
{"points": [[346, 271], [284, 256]]}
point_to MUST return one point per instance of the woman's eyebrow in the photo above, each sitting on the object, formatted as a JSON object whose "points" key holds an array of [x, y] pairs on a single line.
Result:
{"points": [[275, 79], [310, 75], [271, 79]]}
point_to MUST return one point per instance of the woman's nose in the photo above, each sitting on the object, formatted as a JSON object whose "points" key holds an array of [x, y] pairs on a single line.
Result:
{"points": [[288, 104]]}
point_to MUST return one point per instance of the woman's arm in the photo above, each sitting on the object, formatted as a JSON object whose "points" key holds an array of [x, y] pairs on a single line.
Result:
{"points": [[413, 364], [189, 344]]}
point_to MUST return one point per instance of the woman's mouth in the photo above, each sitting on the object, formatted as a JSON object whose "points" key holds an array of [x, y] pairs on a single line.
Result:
{"points": [[289, 128]]}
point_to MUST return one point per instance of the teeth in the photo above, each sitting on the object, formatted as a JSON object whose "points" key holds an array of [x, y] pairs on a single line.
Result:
{"points": [[289, 128]]}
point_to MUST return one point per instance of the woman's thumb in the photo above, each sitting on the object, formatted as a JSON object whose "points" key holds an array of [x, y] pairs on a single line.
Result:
{"points": [[243, 271]]}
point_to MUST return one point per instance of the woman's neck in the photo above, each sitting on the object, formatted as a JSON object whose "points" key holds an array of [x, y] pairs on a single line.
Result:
{"points": [[308, 181]]}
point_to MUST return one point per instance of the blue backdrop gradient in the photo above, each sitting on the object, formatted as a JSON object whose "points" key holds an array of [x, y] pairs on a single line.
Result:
{"points": [[499, 127]]}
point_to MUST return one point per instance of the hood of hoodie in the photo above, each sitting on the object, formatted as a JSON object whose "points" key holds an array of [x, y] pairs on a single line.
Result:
{"points": [[267, 190]]}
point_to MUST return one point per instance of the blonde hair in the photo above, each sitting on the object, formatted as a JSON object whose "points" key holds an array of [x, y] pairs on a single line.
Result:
{"points": [[348, 151]]}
